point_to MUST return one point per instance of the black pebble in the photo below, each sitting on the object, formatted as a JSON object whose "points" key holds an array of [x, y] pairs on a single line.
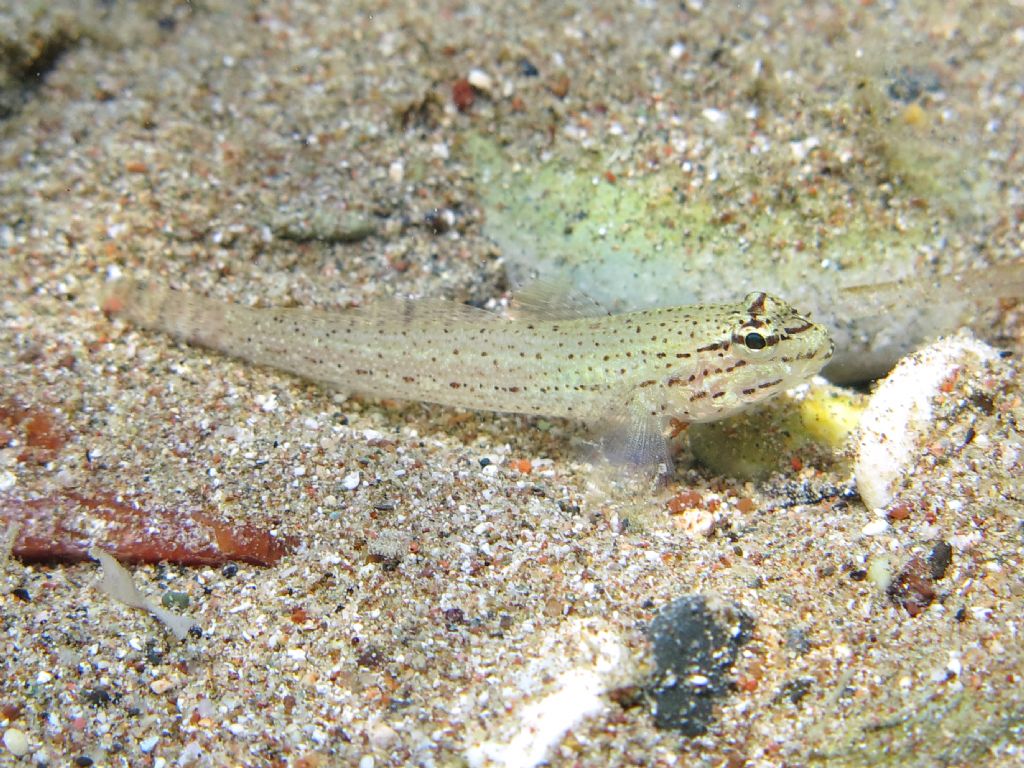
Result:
{"points": [[526, 68], [939, 559], [96, 696], [229, 570], [695, 646]]}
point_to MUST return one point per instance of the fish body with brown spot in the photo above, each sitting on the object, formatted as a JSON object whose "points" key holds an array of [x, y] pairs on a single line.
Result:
{"points": [[631, 372]]}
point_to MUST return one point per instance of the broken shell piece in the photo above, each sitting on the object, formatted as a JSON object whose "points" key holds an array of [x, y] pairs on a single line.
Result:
{"points": [[900, 412]]}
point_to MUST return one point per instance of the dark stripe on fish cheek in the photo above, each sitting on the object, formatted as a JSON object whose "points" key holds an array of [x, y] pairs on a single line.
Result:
{"points": [[713, 347]]}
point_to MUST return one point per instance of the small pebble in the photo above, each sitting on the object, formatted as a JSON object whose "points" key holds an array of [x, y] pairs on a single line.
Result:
{"points": [[797, 640], [880, 572], [351, 481], [163, 685], [383, 736], [98, 697], [875, 528], [527, 69], [176, 601], [714, 116], [480, 80], [147, 744], [462, 94], [559, 85], [16, 742], [696, 641], [939, 559]]}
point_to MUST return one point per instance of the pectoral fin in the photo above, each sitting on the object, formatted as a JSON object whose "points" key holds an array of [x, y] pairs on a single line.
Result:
{"points": [[633, 437]]}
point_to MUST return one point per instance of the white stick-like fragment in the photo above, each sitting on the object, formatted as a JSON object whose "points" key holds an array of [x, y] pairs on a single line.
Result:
{"points": [[117, 582], [575, 695]]}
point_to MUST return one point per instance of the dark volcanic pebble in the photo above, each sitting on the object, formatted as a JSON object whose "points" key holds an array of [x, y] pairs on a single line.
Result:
{"points": [[696, 642]]}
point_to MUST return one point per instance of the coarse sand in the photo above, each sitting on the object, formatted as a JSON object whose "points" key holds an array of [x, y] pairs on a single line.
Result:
{"points": [[466, 588]]}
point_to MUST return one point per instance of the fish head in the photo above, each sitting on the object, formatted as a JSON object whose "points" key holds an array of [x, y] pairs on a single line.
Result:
{"points": [[750, 351]]}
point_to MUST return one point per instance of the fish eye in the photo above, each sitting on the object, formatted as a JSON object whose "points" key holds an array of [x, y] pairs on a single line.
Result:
{"points": [[755, 341]]}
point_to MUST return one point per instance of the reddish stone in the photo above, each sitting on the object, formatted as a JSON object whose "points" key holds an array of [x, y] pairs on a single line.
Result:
{"points": [[523, 466], [912, 588], [683, 501], [463, 94], [559, 85], [63, 527], [899, 512]]}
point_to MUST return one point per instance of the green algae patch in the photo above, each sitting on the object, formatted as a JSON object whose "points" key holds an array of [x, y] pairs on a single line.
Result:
{"points": [[648, 239], [785, 434]]}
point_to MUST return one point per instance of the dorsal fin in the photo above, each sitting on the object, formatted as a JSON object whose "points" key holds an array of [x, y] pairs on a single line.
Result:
{"points": [[553, 300], [424, 310], [997, 281]]}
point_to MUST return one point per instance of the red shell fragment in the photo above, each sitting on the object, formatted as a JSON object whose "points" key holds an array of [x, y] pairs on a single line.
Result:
{"points": [[63, 527]]}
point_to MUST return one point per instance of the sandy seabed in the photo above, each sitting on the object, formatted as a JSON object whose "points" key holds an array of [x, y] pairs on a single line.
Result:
{"points": [[467, 588]]}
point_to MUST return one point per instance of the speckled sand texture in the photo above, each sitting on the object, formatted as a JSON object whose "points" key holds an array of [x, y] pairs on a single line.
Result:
{"points": [[465, 587]]}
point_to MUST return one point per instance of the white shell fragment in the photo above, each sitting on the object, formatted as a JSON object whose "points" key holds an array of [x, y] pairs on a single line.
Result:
{"points": [[117, 583], [575, 694], [900, 411], [16, 742]]}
